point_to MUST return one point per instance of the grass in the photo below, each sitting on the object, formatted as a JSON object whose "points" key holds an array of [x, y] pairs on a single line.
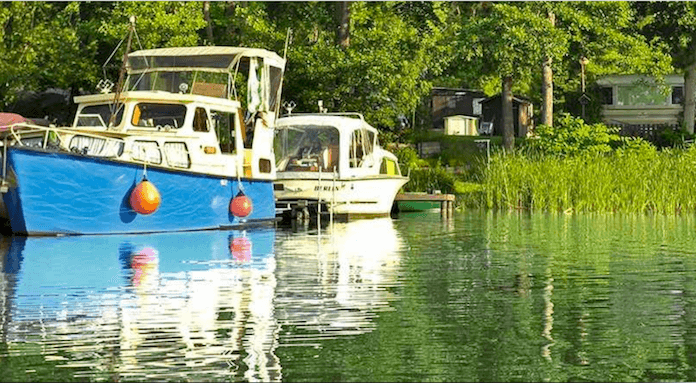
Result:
{"points": [[632, 182], [628, 181]]}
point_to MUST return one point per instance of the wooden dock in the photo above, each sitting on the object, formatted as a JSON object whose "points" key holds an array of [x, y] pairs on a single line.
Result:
{"points": [[446, 201]]}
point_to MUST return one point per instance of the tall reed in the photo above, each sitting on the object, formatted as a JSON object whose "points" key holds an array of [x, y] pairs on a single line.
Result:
{"points": [[618, 181]]}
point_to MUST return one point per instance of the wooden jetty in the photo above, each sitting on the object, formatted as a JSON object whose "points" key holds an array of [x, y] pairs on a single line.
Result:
{"points": [[446, 201]]}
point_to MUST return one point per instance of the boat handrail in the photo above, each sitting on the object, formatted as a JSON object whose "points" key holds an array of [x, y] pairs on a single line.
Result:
{"points": [[32, 129], [337, 114], [59, 132]]}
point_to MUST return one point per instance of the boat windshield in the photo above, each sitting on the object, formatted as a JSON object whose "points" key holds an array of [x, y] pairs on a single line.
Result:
{"points": [[202, 83], [307, 148], [99, 116]]}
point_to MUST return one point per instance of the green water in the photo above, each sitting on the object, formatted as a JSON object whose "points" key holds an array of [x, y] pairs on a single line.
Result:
{"points": [[481, 297]]}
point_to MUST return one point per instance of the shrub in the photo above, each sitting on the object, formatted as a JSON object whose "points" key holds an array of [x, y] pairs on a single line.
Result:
{"points": [[571, 136], [430, 179]]}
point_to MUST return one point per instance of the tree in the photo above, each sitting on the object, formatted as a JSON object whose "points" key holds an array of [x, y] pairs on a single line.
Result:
{"points": [[395, 49], [506, 41], [41, 47], [608, 35], [64, 45], [547, 83], [343, 21], [675, 24], [500, 40]]}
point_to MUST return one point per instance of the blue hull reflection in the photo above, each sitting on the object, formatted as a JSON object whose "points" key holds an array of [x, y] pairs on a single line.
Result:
{"points": [[197, 299]]}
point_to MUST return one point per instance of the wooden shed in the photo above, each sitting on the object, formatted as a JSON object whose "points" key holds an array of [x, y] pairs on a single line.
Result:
{"points": [[522, 112], [461, 126], [447, 102]]}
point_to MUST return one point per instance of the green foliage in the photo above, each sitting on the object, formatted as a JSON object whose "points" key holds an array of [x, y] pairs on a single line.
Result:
{"points": [[508, 39], [498, 39], [65, 44], [429, 179], [383, 73], [408, 158], [571, 136], [674, 138], [41, 47], [159, 24], [397, 51], [671, 22], [423, 176]]}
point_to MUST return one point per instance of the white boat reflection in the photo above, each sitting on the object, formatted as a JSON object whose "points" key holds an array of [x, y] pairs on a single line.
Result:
{"points": [[198, 306], [184, 306], [335, 283]]}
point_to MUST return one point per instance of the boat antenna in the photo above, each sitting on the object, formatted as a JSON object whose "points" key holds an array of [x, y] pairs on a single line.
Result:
{"points": [[288, 36], [122, 72]]}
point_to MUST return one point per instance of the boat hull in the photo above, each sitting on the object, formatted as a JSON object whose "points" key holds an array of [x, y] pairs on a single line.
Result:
{"points": [[64, 193], [412, 206], [373, 196]]}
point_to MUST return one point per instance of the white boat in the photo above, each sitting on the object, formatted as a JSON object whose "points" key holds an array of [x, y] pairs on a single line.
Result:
{"points": [[333, 163], [179, 147]]}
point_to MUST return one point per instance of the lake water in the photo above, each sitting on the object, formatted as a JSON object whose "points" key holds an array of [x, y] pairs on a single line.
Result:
{"points": [[480, 297]]}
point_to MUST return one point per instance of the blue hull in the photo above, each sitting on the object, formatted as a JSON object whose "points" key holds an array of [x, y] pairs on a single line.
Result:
{"points": [[63, 193]]}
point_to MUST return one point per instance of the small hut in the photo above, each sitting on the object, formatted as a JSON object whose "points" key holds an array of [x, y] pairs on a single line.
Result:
{"points": [[522, 112]]}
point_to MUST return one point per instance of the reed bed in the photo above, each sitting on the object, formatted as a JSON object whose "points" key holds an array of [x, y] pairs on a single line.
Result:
{"points": [[632, 181]]}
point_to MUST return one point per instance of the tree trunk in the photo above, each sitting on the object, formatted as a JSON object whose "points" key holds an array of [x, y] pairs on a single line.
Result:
{"points": [[547, 85], [343, 19], [508, 125], [208, 22], [230, 10], [690, 94]]}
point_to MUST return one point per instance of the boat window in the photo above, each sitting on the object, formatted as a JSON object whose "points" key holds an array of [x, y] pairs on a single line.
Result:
{"points": [[99, 115], [161, 116], [276, 76], [96, 146], [181, 81], [307, 148], [389, 167], [361, 141], [200, 120], [177, 154], [224, 128], [146, 151], [265, 165]]}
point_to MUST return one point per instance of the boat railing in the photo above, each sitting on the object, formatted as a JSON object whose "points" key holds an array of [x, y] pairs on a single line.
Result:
{"points": [[332, 203], [356, 115], [95, 145], [20, 131]]}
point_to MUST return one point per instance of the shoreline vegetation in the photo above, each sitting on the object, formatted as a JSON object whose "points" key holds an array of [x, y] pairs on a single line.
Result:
{"points": [[572, 167]]}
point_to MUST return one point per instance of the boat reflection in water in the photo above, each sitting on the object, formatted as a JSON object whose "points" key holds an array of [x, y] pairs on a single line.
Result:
{"points": [[335, 282], [185, 306], [198, 306]]}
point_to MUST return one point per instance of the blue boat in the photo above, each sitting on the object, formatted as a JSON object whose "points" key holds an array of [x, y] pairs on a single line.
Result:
{"points": [[184, 143]]}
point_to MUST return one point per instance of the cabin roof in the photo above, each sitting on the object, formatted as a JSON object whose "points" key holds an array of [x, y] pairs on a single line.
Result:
{"points": [[342, 121], [217, 57], [152, 96]]}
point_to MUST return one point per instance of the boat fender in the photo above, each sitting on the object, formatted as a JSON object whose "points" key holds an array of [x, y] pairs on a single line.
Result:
{"points": [[241, 205], [240, 248], [145, 198]]}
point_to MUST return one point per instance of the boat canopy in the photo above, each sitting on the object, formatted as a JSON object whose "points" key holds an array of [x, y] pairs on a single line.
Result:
{"points": [[210, 58], [250, 74], [308, 142]]}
